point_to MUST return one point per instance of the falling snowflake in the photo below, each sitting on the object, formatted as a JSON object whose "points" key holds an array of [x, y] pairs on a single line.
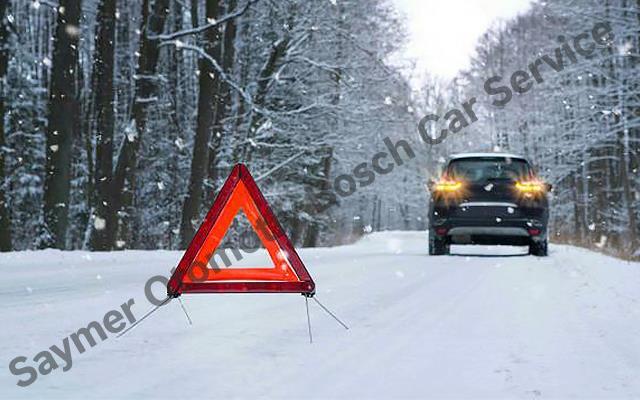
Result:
{"points": [[99, 223], [388, 101], [510, 210], [72, 30], [625, 48], [368, 229], [131, 131], [489, 187]]}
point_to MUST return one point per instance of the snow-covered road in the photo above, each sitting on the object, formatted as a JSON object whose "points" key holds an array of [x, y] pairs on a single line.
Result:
{"points": [[486, 322]]}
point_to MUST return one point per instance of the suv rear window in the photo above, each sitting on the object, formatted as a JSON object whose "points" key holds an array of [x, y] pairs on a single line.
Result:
{"points": [[483, 169]]}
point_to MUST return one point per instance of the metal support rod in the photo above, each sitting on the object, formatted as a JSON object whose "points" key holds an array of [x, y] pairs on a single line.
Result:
{"points": [[306, 302], [184, 308], [330, 313], [154, 309]]}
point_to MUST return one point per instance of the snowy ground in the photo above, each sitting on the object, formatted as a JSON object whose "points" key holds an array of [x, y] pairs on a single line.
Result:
{"points": [[486, 322]]}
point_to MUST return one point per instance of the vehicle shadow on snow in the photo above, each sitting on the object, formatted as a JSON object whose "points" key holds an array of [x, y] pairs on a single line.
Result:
{"points": [[487, 255], [479, 255]]}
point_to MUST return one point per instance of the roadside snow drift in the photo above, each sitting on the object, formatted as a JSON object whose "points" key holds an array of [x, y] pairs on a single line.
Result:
{"points": [[484, 322]]}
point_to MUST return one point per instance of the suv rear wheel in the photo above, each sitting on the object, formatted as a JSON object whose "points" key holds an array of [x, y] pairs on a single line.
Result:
{"points": [[538, 248], [438, 247]]}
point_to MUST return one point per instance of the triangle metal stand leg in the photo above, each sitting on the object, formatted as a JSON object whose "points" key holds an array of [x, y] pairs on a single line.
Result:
{"points": [[184, 309], [306, 303], [154, 309], [330, 313]]}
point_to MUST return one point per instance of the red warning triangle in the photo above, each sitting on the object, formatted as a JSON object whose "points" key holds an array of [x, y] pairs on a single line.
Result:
{"points": [[194, 273]]}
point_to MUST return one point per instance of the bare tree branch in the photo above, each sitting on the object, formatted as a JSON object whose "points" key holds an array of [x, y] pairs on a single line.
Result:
{"points": [[200, 29]]}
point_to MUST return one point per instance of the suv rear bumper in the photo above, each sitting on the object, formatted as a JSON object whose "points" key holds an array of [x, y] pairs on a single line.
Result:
{"points": [[489, 223], [488, 230]]}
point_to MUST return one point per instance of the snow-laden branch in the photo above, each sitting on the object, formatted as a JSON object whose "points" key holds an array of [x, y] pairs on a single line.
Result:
{"points": [[334, 69], [200, 51], [244, 94], [282, 164], [37, 3], [200, 29]]}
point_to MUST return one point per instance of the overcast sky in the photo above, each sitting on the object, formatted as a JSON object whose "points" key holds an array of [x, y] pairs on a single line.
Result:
{"points": [[443, 33]]}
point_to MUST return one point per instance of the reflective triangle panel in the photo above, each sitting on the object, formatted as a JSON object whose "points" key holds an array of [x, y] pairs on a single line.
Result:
{"points": [[195, 273]]}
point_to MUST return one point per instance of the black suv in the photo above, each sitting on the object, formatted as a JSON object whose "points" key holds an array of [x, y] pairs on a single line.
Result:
{"points": [[488, 198]]}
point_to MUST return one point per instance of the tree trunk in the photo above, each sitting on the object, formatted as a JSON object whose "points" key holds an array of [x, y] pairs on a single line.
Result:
{"points": [[239, 135], [208, 87], [628, 193], [151, 24], [5, 220], [223, 100], [324, 184], [319, 204], [63, 121], [103, 229], [374, 212], [265, 79]]}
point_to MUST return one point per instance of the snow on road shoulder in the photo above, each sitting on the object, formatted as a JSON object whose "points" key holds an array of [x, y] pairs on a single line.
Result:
{"points": [[484, 322]]}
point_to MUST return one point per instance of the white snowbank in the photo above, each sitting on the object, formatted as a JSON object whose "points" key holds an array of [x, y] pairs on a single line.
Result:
{"points": [[464, 326]]}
